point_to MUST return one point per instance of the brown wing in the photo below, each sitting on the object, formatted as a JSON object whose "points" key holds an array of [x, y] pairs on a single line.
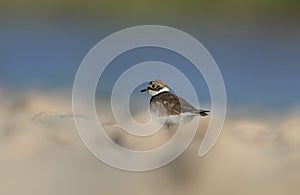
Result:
{"points": [[169, 104], [187, 107]]}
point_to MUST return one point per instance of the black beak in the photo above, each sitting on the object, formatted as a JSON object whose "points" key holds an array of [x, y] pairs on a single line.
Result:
{"points": [[144, 90]]}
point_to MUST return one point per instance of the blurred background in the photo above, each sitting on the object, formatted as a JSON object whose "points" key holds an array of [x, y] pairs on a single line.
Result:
{"points": [[255, 43]]}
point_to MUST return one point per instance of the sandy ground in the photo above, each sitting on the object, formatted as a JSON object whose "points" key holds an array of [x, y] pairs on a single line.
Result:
{"points": [[254, 155]]}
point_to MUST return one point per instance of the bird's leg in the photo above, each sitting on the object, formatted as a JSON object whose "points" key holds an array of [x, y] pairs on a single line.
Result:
{"points": [[168, 126]]}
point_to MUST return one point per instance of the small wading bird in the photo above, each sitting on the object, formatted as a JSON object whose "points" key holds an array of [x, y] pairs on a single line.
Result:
{"points": [[172, 108]]}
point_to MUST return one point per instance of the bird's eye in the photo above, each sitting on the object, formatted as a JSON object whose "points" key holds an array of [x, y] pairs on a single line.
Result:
{"points": [[153, 86]]}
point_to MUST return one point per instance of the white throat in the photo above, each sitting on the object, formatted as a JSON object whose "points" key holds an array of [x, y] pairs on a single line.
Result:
{"points": [[153, 93]]}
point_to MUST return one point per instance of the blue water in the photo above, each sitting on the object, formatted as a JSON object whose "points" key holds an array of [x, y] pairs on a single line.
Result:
{"points": [[261, 70]]}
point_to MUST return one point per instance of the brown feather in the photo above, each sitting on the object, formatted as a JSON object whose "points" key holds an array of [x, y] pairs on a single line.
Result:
{"points": [[166, 103]]}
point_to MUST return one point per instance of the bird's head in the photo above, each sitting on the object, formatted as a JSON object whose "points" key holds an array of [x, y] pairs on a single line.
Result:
{"points": [[156, 87]]}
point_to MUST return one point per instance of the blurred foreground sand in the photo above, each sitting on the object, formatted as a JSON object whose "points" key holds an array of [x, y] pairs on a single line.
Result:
{"points": [[252, 156]]}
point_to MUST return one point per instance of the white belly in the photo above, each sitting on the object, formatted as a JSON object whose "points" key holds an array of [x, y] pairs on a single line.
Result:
{"points": [[176, 119]]}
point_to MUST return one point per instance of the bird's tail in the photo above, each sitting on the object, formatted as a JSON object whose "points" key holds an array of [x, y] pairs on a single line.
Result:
{"points": [[203, 112]]}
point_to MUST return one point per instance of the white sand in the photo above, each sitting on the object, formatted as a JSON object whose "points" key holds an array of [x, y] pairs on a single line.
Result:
{"points": [[252, 156]]}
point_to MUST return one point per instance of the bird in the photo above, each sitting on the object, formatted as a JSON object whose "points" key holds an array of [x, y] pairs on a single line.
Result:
{"points": [[169, 106]]}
